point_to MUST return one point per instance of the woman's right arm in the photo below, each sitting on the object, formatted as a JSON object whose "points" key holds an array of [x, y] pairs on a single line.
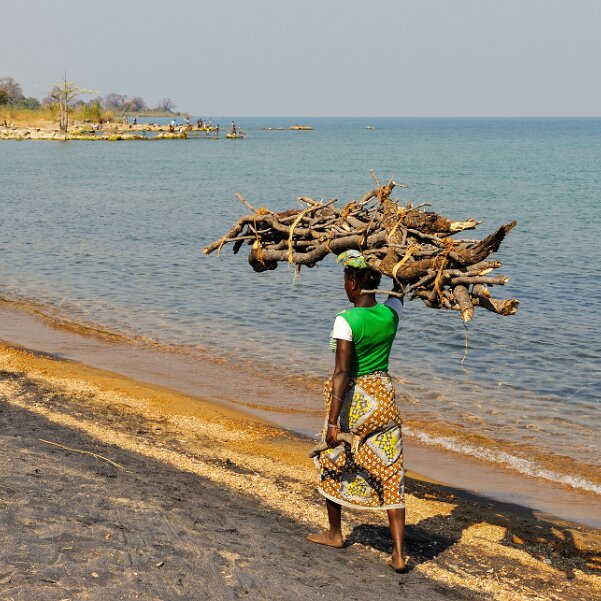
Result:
{"points": [[340, 382]]}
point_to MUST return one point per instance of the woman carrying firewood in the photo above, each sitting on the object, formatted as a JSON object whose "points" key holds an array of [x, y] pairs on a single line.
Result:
{"points": [[360, 400]]}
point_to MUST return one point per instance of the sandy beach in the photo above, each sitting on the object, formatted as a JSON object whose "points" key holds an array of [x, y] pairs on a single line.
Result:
{"points": [[116, 489]]}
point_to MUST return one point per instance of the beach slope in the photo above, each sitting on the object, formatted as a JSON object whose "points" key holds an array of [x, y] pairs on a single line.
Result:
{"points": [[114, 489]]}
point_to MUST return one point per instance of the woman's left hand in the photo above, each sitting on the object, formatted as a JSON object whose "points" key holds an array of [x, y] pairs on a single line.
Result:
{"points": [[332, 438]]}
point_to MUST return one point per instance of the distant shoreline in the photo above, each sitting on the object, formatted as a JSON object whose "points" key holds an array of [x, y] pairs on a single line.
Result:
{"points": [[111, 132]]}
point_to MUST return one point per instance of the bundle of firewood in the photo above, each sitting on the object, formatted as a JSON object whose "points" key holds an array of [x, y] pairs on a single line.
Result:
{"points": [[414, 247]]}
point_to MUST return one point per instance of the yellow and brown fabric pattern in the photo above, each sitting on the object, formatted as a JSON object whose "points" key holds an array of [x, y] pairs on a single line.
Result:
{"points": [[368, 474]]}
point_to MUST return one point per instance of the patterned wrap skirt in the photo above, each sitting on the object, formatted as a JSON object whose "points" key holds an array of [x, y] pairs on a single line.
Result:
{"points": [[369, 473]]}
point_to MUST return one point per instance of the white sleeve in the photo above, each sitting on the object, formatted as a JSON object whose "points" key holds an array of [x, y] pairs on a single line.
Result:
{"points": [[396, 305], [342, 331]]}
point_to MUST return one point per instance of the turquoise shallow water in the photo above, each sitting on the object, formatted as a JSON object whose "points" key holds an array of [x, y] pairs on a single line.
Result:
{"points": [[113, 233]]}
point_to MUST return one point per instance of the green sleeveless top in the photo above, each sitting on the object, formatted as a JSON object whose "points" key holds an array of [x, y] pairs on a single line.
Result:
{"points": [[374, 329]]}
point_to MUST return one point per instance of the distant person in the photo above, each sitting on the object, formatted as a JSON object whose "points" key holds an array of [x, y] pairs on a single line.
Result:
{"points": [[233, 130], [217, 130], [135, 121]]}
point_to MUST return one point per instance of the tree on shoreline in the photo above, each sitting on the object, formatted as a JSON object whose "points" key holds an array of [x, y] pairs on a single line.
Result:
{"points": [[114, 101], [11, 94], [135, 104], [65, 93], [167, 105]]}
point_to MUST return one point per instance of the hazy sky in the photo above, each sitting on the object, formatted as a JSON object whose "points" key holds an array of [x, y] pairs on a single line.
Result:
{"points": [[316, 57]]}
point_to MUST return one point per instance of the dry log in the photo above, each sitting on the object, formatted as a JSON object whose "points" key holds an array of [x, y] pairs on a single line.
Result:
{"points": [[337, 246], [409, 272], [474, 270], [481, 290], [386, 292], [478, 252], [500, 280], [428, 222], [464, 300], [500, 306]]}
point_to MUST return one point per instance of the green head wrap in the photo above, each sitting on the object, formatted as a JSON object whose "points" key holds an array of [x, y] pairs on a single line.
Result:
{"points": [[352, 258]]}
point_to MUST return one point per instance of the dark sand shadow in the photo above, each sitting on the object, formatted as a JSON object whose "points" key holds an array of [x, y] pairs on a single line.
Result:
{"points": [[421, 543], [543, 539], [78, 524]]}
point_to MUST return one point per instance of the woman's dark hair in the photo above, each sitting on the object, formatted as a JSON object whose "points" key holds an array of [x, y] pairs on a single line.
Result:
{"points": [[367, 278]]}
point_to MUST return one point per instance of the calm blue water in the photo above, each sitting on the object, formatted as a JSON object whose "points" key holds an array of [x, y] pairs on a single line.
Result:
{"points": [[113, 233]]}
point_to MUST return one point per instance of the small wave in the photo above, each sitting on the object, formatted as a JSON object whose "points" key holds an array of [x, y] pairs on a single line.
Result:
{"points": [[519, 464]]}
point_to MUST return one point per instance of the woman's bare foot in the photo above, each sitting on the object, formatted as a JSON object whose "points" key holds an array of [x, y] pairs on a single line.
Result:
{"points": [[327, 538], [398, 563]]}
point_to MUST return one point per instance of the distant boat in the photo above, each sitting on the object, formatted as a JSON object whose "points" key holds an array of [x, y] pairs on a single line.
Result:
{"points": [[370, 127], [234, 136], [301, 127]]}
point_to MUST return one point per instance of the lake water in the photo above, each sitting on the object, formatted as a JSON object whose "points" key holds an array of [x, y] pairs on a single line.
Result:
{"points": [[112, 234]]}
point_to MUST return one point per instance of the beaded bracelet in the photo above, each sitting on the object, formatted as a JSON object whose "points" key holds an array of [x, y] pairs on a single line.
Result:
{"points": [[336, 397]]}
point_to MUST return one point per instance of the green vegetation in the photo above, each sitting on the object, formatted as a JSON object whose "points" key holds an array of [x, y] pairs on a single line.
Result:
{"points": [[93, 111], [11, 94]]}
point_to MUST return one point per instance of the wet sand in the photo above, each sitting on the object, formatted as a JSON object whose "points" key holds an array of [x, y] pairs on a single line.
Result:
{"points": [[148, 493]]}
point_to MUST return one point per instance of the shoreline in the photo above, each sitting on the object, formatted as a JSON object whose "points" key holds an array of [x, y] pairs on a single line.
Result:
{"points": [[299, 407], [55, 410], [112, 133], [24, 325]]}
